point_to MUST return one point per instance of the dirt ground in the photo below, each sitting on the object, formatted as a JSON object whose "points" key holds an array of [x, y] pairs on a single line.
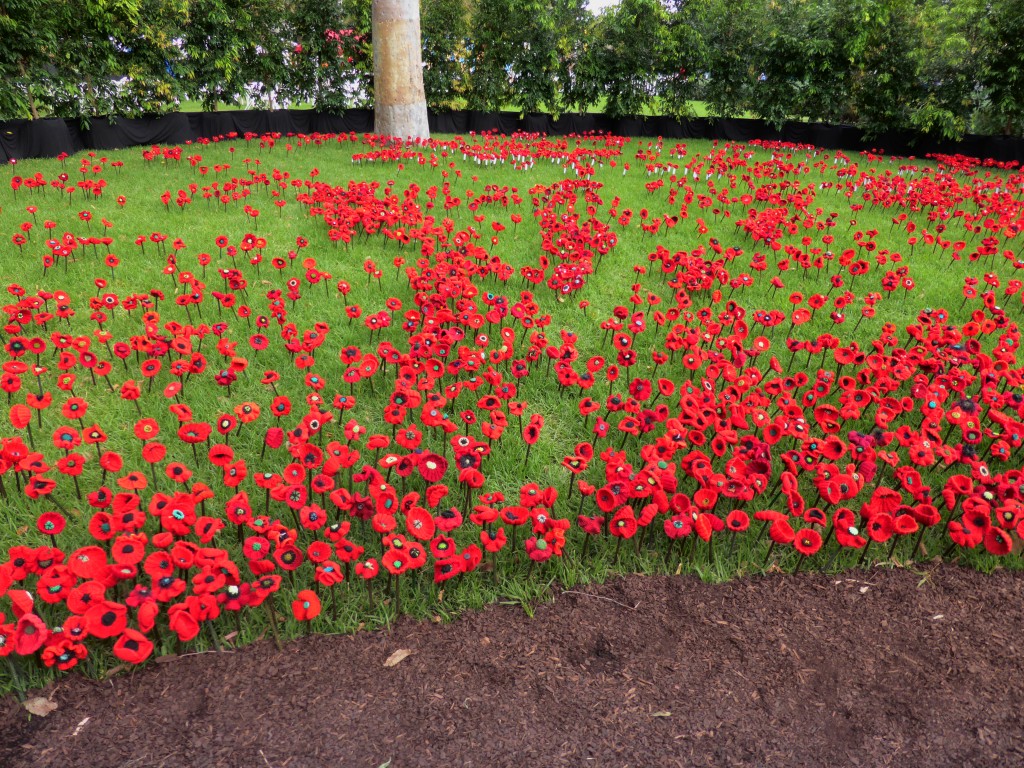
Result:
{"points": [[870, 668]]}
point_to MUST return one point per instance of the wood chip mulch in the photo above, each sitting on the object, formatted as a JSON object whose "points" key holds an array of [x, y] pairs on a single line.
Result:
{"points": [[868, 668]]}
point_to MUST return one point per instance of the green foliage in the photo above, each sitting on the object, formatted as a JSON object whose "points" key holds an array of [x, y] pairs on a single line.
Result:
{"points": [[803, 62], [488, 51], [685, 57], [28, 32], [330, 59], [514, 54], [444, 27], [950, 45], [228, 44], [937, 68], [1002, 70], [87, 59], [885, 75], [730, 33], [784, 56], [573, 44], [630, 50]]}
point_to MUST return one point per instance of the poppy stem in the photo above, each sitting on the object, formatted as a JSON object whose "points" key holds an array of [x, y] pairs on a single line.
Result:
{"points": [[892, 549], [768, 556], [917, 544], [760, 534], [213, 636], [59, 505], [864, 554], [273, 624], [832, 559], [828, 532], [670, 550], [799, 562]]}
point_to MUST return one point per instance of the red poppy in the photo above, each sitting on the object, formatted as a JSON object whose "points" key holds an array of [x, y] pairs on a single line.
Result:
{"points": [[50, 523], [998, 541], [153, 453], [306, 605], [531, 432], [807, 541], [781, 532], [880, 527], [396, 561], [432, 467], [420, 524], [493, 541], [737, 521], [623, 523], [63, 653], [29, 634], [105, 619], [182, 622], [133, 647]]}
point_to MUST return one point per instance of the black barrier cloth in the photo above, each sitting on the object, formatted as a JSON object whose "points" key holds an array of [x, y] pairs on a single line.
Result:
{"points": [[131, 132], [50, 137], [38, 138]]}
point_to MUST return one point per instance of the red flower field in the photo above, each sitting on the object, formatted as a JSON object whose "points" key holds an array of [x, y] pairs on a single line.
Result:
{"points": [[452, 372]]}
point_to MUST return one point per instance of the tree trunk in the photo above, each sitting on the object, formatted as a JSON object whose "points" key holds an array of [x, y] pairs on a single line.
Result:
{"points": [[31, 99], [400, 106]]}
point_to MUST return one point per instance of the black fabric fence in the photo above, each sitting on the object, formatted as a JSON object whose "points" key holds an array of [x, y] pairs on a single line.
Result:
{"points": [[21, 139]]}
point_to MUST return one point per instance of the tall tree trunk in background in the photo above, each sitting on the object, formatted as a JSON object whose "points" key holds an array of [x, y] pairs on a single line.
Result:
{"points": [[31, 99], [400, 107]]}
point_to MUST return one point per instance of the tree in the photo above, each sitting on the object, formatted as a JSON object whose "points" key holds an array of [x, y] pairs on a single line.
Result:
{"points": [[330, 57], [230, 44], [887, 68], [508, 38], [730, 34], [29, 31], [445, 28], [951, 45], [117, 60], [1002, 70], [685, 57], [574, 42], [400, 104], [630, 49]]}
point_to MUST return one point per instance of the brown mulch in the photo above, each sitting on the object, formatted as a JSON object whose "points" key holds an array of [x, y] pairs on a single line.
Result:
{"points": [[887, 667]]}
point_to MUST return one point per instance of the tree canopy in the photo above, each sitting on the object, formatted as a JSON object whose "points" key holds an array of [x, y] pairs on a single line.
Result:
{"points": [[940, 68]]}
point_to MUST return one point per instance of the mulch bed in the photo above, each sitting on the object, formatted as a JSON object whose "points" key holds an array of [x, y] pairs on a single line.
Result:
{"points": [[870, 668]]}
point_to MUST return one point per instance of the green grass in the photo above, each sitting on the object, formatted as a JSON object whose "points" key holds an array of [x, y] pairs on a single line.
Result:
{"points": [[142, 182], [187, 105]]}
